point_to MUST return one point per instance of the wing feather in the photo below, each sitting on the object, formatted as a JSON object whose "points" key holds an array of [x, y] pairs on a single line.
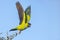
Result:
{"points": [[28, 13], [20, 11]]}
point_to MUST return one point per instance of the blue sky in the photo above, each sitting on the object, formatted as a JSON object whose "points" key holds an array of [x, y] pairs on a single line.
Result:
{"points": [[45, 19]]}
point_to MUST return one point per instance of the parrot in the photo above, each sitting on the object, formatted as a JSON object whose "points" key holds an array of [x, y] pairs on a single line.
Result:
{"points": [[24, 17]]}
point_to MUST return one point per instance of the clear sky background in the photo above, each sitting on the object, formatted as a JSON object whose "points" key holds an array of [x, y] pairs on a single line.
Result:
{"points": [[45, 19]]}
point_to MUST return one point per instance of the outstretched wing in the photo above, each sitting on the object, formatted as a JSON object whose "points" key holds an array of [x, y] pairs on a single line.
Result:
{"points": [[20, 11], [28, 13]]}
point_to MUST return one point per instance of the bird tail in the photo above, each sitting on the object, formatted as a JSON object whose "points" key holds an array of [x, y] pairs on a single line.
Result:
{"points": [[13, 29]]}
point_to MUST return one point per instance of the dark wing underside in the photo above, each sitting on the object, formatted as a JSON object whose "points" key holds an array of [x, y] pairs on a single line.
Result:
{"points": [[28, 12], [20, 11]]}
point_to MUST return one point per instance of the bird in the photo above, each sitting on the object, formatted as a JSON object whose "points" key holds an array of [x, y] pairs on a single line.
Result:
{"points": [[24, 17]]}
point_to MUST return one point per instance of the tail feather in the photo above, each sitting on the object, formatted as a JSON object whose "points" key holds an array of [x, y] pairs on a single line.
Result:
{"points": [[13, 29]]}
